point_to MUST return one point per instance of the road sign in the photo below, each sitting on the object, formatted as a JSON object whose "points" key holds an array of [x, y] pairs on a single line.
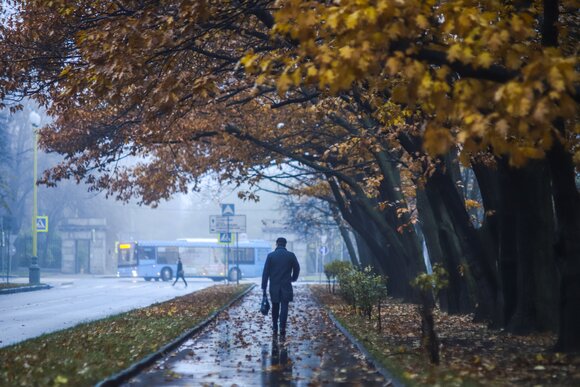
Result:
{"points": [[42, 224], [225, 237], [228, 209], [323, 250], [236, 223]]}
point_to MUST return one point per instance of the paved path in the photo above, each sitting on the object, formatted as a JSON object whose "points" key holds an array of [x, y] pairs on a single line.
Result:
{"points": [[238, 350]]}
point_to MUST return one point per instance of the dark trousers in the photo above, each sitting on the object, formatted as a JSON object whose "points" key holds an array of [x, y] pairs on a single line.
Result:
{"points": [[279, 311], [178, 276]]}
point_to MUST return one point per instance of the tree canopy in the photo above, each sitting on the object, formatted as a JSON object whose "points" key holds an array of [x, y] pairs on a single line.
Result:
{"points": [[378, 101]]}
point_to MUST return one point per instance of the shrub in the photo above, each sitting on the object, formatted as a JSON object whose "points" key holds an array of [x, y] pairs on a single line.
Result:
{"points": [[362, 289], [429, 285], [333, 269]]}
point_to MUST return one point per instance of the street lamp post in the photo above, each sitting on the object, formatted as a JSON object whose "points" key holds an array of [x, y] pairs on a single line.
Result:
{"points": [[34, 269]]}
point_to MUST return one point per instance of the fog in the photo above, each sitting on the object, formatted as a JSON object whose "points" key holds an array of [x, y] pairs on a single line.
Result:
{"points": [[187, 216], [184, 216]]}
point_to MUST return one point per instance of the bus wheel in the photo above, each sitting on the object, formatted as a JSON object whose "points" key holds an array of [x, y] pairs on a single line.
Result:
{"points": [[235, 275], [166, 274], [147, 279]]}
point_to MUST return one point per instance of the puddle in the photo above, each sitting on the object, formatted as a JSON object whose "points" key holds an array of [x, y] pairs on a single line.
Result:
{"points": [[238, 349]]}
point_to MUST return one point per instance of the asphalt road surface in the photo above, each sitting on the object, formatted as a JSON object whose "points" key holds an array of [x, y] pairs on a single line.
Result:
{"points": [[73, 300]]}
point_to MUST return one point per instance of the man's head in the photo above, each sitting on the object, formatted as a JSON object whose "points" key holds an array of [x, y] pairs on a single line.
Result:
{"points": [[281, 242]]}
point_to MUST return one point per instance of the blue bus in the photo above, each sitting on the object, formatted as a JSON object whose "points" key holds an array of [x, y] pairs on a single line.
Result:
{"points": [[202, 258]]}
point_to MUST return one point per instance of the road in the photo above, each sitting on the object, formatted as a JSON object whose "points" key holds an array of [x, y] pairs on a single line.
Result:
{"points": [[79, 299]]}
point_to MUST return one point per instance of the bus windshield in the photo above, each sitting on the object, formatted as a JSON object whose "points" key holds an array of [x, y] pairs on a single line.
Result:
{"points": [[126, 256]]}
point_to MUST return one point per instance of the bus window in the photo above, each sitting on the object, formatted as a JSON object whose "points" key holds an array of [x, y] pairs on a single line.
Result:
{"points": [[218, 255], [243, 256], [195, 256], [146, 252], [204, 261], [167, 255], [262, 254]]}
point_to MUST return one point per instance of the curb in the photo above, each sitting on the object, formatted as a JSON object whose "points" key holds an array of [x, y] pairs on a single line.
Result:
{"points": [[369, 357], [135, 368], [22, 289]]}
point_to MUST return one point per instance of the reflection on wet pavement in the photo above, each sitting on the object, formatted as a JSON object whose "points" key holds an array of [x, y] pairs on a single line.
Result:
{"points": [[238, 350]]}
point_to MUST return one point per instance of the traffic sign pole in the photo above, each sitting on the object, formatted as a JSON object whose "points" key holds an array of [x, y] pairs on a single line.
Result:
{"points": [[237, 260], [34, 269], [228, 210], [34, 200], [228, 251]]}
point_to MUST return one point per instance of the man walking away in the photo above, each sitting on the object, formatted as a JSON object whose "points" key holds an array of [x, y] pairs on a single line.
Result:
{"points": [[281, 269], [180, 273]]}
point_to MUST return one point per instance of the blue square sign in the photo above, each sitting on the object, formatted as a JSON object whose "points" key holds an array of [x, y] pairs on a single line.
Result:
{"points": [[228, 209]]}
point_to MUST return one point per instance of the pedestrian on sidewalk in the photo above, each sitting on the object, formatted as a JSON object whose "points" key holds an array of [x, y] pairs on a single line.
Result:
{"points": [[180, 273], [281, 269]]}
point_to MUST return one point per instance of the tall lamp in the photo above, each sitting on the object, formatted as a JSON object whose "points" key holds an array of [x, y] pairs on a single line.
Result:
{"points": [[34, 269]]}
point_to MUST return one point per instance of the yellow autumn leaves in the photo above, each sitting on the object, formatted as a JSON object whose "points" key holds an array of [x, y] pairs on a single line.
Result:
{"points": [[475, 70]]}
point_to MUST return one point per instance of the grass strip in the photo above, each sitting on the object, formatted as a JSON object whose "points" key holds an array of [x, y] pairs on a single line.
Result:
{"points": [[89, 352], [12, 286]]}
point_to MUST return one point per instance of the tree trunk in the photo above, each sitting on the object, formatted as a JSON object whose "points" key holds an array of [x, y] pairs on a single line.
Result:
{"points": [[518, 230], [537, 280], [392, 261], [345, 234], [460, 245], [435, 229], [429, 338], [443, 195], [567, 206], [507, 246], [489, 232], [364, 252]]}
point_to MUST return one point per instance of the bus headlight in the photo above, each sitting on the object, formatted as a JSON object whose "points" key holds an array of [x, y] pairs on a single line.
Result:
{"points": [[134, 273]]}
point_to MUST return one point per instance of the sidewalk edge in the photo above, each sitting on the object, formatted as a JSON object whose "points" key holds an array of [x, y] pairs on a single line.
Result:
{"points": [[135, 368], [369, 357], [22, 289]]}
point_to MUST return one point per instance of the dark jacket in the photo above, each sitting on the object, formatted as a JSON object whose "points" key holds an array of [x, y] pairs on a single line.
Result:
{"points": [[179, 268], [281, 268]]}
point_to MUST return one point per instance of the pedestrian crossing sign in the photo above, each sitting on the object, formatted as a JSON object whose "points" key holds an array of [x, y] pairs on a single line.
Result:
{"points": [[42, 224], [226, 237]]}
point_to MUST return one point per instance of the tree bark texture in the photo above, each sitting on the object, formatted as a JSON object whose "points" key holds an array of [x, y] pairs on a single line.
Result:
{"points": [[567, 206]]}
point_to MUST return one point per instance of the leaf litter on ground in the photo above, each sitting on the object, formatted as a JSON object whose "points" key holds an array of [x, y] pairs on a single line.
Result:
{"points": [[471, 353]]}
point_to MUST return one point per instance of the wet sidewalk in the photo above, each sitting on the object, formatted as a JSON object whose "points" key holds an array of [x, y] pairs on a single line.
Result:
{"points": [[238, 350]]}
